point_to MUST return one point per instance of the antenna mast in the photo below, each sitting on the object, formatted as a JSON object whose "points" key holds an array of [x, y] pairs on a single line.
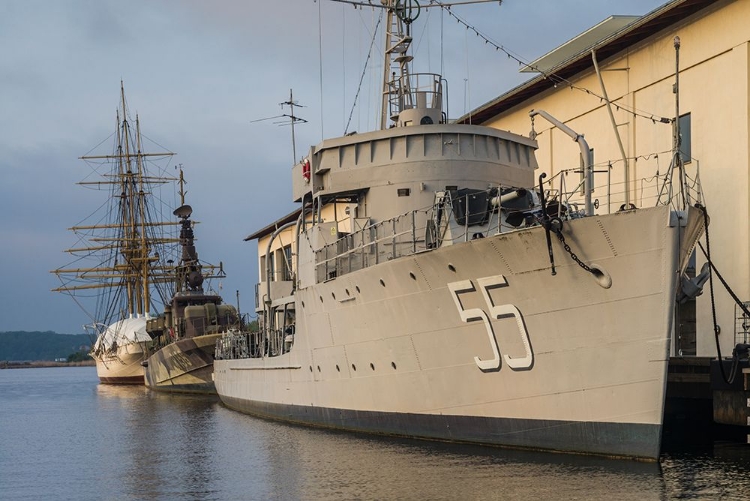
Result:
{"points": [[292, 103], [400, 15], [677, 140]]}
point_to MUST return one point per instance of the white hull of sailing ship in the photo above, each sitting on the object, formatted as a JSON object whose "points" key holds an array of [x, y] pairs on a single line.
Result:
{"points": [[479, 342], [122, 367], [119, 352]]}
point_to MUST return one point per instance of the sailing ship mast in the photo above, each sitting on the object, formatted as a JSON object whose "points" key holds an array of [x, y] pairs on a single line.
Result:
{"points": [[131, 246]]}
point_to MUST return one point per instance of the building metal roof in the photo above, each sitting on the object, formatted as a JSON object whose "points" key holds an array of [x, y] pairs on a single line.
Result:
{"points": [[629, 35], [579, 44], [267, 230]]}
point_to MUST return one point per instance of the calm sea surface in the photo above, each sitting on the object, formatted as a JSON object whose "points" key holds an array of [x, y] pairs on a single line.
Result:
{"points": [[64, 436]]}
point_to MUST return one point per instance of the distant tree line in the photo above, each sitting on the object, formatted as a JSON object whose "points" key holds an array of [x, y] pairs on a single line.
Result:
{"points": [[22, 345]]}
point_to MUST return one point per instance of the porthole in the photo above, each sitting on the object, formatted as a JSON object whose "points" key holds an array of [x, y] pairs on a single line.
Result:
{"points": [[337, 368], [382, 283], [321, 298], [311, 368], [303, 304], [393, 364], [451, 267], [333, 295], [357, 287], [347, 292], [413, 276], [354, 368], [372, 366], [318, 368]]}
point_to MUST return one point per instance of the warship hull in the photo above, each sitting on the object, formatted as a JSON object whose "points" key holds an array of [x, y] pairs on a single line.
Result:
{"points": [[481, 342], [184, 366]]}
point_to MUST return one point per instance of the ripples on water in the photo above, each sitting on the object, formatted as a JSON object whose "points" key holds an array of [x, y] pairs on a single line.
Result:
{"points": [[63, 436]]}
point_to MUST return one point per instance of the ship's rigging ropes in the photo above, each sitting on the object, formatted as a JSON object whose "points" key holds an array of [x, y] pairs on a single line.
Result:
{"points": [[739, 349], [364, 72], [114, 246], [556, 79]]}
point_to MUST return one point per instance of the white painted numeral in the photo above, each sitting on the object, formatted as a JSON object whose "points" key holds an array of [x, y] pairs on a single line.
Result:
{"points": [[496, 312], [507, 310], [476, 314]]}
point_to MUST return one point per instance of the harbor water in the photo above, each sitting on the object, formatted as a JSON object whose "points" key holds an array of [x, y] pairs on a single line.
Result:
{"points": [[64, 436]]}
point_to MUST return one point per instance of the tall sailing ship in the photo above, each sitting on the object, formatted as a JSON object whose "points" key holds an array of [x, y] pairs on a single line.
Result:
{"points": [[124, 262], [430, 286]]}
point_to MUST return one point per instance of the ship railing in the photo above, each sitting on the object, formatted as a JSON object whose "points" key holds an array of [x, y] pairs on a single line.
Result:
{"points": [[415, 90], [566, 185], [741, 324], [425, 229], [400, 236], [238, 344]]}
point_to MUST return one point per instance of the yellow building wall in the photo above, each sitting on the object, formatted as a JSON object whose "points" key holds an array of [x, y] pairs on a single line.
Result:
{"points": [[287, 237], [713, 59]]}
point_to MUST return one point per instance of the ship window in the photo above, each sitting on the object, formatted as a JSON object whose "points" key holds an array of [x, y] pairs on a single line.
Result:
{"points": [[287, 269], [404, 192], [451, 188], [685, 143]]}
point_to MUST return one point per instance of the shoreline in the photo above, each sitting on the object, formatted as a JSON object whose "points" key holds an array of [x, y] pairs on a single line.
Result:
{"points": [[44, 363]]}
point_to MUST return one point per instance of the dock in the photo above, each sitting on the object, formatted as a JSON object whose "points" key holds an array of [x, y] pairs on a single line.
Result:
{"points": [[701, 406]]}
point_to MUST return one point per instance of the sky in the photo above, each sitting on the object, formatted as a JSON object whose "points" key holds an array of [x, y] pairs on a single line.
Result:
{"points": [[201, 75]]}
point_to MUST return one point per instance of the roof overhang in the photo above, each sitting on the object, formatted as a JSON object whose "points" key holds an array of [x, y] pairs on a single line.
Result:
{"points": [[267, 230], [631, 34]]}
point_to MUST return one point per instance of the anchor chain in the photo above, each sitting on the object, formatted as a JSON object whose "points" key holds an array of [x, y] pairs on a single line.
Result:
{"points": [[572, 254]]}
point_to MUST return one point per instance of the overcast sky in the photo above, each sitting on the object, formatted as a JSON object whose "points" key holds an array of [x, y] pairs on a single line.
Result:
{"points": [[198, 73]]}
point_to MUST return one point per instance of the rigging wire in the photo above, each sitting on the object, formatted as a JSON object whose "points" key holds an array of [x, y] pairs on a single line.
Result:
{"points": [[364, 72], [320, 66], [343, 63], [735, 355], [556, 79]]}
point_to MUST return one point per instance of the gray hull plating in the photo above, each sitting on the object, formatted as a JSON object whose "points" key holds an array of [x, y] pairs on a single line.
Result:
{"points": [[606, 439]]}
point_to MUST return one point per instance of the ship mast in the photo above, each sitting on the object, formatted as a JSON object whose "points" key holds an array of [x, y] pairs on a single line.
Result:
{"points": [[408, 98], [130, 238]]}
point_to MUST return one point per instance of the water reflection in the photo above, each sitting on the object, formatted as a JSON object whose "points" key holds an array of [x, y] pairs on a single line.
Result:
{"points": [[721, 472], [165, 441], [67, 437], [316, 464]]}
